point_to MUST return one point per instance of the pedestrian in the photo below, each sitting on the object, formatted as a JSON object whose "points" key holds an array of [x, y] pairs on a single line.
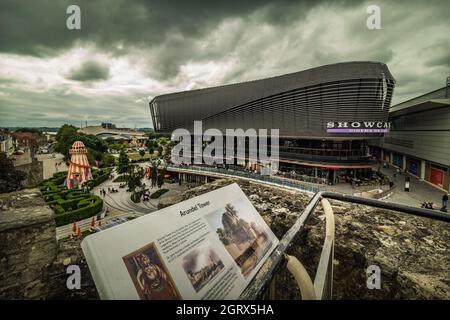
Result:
{"points": [[445, 200]]}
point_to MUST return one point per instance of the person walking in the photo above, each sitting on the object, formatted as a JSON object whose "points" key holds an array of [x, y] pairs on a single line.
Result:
{"points": [[445, 200]]}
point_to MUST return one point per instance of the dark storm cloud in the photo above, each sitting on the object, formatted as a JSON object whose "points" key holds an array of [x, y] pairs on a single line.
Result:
{"points": [[38, 28], [89, 71], [131, 50]]}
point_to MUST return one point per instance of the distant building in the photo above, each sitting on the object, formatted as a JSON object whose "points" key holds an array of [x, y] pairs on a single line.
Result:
{"points": [[26, 140], [25, 147], [129, 137], [6, 142], [419, 139], [325, 115]]}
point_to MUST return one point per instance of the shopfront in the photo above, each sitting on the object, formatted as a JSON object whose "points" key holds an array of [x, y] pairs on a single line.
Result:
{"points": [[413, 166], [438, 175], [398, 160]]}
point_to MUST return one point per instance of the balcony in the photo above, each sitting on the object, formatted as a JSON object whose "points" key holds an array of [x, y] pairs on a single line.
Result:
{"points": [[325, 155]]}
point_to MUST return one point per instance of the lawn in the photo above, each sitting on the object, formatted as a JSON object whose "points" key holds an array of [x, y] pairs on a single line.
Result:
{"points": [[137, 156]]}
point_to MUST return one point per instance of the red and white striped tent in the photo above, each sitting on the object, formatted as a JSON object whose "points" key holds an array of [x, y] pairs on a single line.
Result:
{"points": [[79, 169]]}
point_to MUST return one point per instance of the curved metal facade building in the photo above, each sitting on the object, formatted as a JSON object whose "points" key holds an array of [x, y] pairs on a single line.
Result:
{"points": [[299, 104]]}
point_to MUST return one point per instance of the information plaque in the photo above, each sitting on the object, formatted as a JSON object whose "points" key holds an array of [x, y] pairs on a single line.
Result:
{"points": [[207, 247]]}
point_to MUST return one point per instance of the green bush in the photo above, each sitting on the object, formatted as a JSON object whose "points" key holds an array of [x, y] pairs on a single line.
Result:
{"points": [[158, 193], [136, 196], [82, 213], [121, 178], [69, 205], [58, 210], [72, 205]]}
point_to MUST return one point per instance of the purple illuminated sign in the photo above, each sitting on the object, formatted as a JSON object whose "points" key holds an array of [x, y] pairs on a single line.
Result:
{"points": [[358, 127], [358, 130]]}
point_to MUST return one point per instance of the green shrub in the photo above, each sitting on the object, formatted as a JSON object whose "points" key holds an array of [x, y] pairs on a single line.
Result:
{"points": [[158, 193], [69, 205], [72, 205], [136, 196], [82, 213], [122, 178], [58, 210]]}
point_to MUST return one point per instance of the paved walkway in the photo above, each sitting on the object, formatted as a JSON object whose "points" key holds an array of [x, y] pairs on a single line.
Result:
{"points": [[419, 191]]}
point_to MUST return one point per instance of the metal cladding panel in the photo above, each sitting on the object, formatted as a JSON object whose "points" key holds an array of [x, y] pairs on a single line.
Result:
{"points": [[298, 104]]}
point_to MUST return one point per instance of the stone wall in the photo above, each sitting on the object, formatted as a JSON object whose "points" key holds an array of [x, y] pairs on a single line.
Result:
{"points": [[28, 245], [32, 263], [34, 171]]}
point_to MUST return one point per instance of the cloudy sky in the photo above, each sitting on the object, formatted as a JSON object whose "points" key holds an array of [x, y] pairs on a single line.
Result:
{"points": [[130, 51]]}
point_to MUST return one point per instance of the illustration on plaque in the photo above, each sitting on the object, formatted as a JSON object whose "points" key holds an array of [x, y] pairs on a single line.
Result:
{"points": [[149, 274]]}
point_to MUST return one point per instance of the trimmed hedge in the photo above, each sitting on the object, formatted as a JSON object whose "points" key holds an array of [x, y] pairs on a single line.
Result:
{"points": [[94, 207], [158, 193], [72, 205], [121, 178]]}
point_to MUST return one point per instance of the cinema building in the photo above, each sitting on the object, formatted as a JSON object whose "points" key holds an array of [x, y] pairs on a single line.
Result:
{"points": [[419, 139], [325, 115]]}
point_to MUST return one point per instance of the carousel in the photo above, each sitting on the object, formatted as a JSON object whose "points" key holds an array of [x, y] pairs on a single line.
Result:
{"points": [[79, 169]]}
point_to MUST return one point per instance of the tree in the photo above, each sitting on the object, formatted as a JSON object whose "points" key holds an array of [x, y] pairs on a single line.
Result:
{"points": [[117, 146], [154, 170], [134, 177], [65, 132], [160, 150], [160, 179], [68, 134], [134, 181], [109, 141], [123, 162], [142, 153], [10, 178], [32, 130], [107, 160], [162, 141]]}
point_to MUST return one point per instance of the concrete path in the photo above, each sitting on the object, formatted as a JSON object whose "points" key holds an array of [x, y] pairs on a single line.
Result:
{"points": [[419, 191]]}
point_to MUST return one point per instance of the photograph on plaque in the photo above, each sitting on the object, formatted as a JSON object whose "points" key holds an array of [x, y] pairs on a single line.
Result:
{"points": [[202, 265], [242, 233]]}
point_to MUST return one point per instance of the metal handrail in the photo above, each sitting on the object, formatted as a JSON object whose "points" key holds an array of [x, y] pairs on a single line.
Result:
{"points": [[323, 282], [300, 185]]}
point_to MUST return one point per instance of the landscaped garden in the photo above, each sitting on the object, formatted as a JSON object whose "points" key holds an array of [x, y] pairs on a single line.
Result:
{"points": [[72, 205]]}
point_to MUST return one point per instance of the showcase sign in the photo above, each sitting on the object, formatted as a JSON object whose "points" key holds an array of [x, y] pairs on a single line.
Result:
{"points": [[358, 127]]}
